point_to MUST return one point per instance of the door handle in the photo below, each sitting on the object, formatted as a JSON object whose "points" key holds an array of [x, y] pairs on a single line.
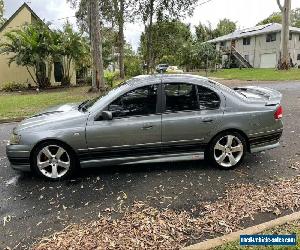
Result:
{"points": [[146, 127], [207, 120]]}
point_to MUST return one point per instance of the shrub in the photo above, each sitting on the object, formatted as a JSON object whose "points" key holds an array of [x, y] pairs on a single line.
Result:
{"points": [[133, 66], [13, 86], [110, 77], [89, 80]]}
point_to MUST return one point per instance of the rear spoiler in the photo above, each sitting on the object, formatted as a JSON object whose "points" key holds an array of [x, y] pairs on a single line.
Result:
{"points": [[273, 97]]}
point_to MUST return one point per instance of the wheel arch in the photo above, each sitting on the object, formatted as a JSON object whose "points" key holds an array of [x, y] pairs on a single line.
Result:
{"points": [[242, 133], [49, 140]]}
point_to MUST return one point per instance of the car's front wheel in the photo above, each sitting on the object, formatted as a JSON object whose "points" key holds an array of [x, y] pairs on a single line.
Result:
{"points": [[53, 161], [227, 150]]}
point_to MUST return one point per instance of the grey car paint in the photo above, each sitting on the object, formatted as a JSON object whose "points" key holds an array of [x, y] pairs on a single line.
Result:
{"points": [[248, 110]]}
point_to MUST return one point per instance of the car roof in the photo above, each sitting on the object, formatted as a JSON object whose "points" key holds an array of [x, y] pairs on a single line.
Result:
{"points": [[161, 77]]}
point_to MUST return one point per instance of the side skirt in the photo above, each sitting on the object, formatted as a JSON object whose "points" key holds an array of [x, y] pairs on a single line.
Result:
{"points": [[143, 159]]}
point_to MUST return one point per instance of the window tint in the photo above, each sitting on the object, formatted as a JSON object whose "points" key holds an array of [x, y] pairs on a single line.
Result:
{"points": [[141, 101], [208, 99], [271, 37], [180, 97]]}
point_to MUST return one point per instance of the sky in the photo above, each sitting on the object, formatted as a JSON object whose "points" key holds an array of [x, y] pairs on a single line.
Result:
{"points": [[246, 13]]}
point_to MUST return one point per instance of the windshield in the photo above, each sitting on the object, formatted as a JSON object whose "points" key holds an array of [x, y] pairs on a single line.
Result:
{"points": [[89, 103], [86, 105]]}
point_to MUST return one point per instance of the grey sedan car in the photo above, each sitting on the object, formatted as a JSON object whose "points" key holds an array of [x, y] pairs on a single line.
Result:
{"points": [[150, 119]]}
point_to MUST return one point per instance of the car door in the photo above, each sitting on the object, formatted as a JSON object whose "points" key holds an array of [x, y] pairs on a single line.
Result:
{"points": [[190, 114], [135, 129]]}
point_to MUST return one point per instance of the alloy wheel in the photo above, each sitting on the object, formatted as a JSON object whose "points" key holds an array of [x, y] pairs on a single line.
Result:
{"points": [[228, 151], [53, 161]]}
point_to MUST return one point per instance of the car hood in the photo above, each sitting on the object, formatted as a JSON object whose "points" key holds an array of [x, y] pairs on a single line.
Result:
{"points": [[52, 117], [58, 108]]}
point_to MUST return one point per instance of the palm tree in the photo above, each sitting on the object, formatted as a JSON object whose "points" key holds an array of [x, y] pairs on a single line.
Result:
{"points": [[29, 47], [72, 48], [36, 46]]}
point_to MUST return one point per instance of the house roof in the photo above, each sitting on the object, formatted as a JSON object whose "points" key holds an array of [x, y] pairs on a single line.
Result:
{"points": [[24, 5], [254, 31]]}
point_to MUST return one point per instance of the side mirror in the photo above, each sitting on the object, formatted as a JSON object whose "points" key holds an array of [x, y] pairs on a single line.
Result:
{"points": [[107, 115]]}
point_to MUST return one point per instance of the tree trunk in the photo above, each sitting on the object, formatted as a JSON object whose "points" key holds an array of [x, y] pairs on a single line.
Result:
{"points": [[149, 38], [49, 73], [113, 46], [121, 39], [284, 61], [41, 75], [28, 70], [96, 42]]}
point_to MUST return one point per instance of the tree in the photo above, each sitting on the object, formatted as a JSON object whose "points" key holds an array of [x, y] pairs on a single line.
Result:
{"points": [[149, 10], [295, 17], [35, 46], [206, 32], [168, 38], [224, 27], [284, 57], [89, 16], [96, 42], [69, 47], [207, 55], [116, 13], [109, 42], [2, 20], [29, 47], [276, 17], [186, 53], [119, 10]]}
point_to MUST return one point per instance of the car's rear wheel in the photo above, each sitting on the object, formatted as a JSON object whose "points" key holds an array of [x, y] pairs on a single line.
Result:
{"points": [[227, 150], [53, 161]]}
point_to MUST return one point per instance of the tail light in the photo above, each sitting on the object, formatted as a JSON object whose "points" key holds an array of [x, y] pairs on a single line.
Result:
{"points": [[278, 113]]}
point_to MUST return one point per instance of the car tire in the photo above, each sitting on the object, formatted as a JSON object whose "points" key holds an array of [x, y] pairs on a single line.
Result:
{"points": [[227, 150], [53, 161]]}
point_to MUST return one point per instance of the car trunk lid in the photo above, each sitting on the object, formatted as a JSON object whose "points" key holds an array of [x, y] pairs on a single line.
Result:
{"points": [[252, 93]]}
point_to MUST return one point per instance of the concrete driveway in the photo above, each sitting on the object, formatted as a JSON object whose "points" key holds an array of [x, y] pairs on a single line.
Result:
{"points": [[31, 207]]}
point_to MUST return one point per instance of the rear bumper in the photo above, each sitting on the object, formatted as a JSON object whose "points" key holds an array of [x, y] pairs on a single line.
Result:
{"points": [[264, 148], [265, 141], [19, 157]]}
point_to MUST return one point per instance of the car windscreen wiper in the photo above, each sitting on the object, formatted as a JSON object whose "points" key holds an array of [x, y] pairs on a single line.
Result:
{"points": [[81, 106]]}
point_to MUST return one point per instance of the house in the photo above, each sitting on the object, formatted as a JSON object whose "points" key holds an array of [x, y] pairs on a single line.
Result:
{"points": [[14, 73], [257, 47]]}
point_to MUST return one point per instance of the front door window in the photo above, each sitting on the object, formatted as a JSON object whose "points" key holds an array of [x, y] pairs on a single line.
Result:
{"points": [[138, 102]]}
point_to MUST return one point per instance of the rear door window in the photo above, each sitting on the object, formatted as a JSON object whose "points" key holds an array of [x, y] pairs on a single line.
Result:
{"points": [[181, 97], [208, 99]]}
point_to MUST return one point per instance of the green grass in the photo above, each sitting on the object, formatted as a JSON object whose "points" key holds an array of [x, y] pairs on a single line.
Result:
{"points": [[14, 105], [255, 74], [290, 228]]}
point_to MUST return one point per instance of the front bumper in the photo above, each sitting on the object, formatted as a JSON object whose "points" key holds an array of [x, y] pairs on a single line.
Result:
{"points": [[19, 157]]}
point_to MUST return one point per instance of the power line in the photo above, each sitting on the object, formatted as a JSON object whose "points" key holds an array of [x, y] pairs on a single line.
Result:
{"points": [[202, 3], [62, 18]]}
